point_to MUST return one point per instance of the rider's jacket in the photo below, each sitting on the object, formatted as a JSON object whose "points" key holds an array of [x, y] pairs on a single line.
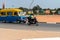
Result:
{"points": [[31, 16]]}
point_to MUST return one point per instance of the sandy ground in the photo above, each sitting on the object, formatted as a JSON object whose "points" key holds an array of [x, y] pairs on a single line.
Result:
{"points": [[12, 34], [48, 18]]}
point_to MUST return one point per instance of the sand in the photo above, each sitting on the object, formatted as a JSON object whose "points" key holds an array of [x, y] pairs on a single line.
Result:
{"points": [[12, 34], [48, 18]]}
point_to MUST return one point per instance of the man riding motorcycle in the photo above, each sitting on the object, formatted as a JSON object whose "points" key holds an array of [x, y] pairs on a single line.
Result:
{"points": [[32, 19]]}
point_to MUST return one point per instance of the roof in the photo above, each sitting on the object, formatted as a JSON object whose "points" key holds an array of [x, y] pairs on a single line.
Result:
{"points": [[11, 10]]}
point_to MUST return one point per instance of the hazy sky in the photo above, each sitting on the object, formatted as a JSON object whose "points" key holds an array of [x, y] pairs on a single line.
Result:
{"points": [[26, 3]]}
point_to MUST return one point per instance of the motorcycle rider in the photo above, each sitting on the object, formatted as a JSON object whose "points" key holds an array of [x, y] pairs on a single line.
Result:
{"points": [[32, 19]]}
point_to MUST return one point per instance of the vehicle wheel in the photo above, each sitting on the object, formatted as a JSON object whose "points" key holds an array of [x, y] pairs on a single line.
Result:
{"points": [[19, 21], [9, 22], [24, 22], [4, 21]]}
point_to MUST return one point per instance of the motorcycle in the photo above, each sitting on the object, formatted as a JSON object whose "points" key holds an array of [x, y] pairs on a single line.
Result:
{"points": [[32, 20]]}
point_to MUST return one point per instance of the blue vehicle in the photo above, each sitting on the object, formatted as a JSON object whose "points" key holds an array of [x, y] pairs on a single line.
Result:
{"points": [[12, 15]]}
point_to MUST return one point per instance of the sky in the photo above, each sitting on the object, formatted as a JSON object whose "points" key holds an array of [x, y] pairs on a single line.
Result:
{"points": [[27, 3]]}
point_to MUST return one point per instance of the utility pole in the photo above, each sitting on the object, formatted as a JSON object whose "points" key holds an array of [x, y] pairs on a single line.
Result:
{"points": [[3, 5]]}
